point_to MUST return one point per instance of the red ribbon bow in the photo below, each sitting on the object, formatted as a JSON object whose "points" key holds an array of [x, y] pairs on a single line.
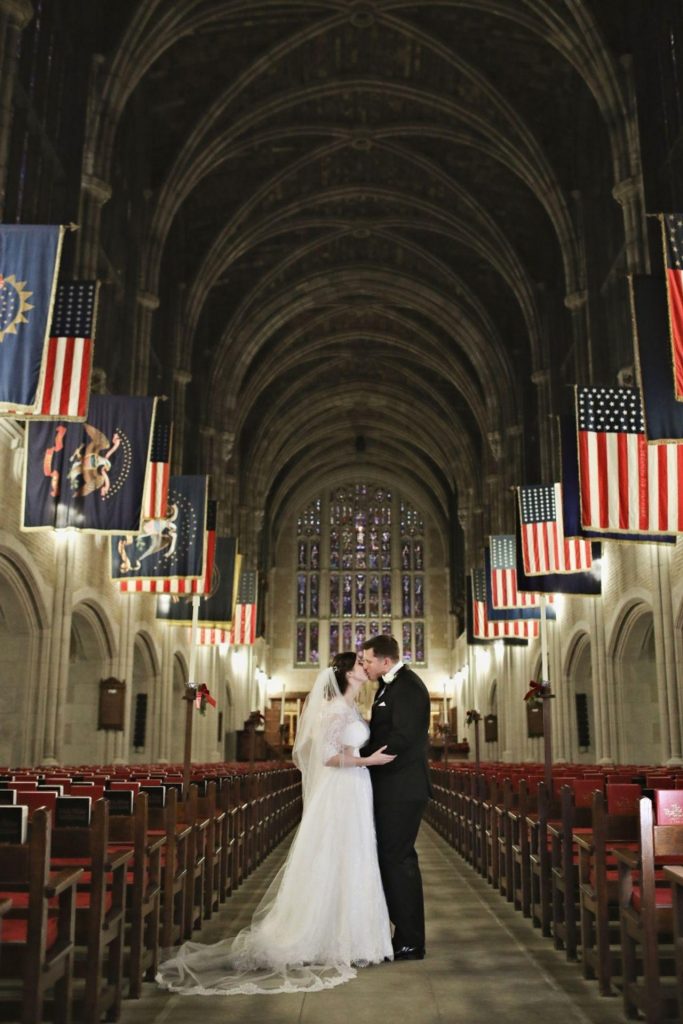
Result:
{"points": [[203, 698], [535, 691]]}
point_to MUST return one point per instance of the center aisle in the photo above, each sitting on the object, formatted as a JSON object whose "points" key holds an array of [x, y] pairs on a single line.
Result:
{"points": [[484, 964]]}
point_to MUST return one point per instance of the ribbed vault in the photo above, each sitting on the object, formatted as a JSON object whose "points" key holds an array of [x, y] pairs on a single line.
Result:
{"points": [[363, 231]]}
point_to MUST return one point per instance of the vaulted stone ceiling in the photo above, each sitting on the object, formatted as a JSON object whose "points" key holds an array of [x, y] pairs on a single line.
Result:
{"points": [[365, 218]]}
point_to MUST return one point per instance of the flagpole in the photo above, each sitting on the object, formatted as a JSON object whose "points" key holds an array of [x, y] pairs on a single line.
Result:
{"points": [[545, 684], [190, 694]]}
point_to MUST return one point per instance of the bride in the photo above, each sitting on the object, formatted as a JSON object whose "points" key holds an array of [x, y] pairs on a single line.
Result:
{"points": [[324, 914]]}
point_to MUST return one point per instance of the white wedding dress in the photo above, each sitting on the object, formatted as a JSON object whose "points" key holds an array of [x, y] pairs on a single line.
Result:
{"points": [[325, 913]]}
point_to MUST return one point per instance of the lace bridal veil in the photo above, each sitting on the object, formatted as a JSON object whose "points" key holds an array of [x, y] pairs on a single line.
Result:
{"points": [[292, 943]]}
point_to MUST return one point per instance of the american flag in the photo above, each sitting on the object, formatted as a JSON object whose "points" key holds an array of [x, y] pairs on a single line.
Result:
{"points": [[504, 590], [545, 549], [203, 586], [672, 234], [159, 465], [211, 636], [484, 629], [68, 364], [627, 485], [244, 623]]}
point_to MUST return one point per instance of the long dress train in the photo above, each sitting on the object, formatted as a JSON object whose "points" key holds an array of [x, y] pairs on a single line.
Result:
{"points": [[324, 914]]}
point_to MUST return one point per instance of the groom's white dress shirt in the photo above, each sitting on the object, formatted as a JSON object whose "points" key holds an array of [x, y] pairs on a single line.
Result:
{"points": [[389, 678]]}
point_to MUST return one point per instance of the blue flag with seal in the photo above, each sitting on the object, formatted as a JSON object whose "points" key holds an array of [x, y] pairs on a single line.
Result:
{"points": [[29, 261], [171, 548], [215, 608], [90, 476]]}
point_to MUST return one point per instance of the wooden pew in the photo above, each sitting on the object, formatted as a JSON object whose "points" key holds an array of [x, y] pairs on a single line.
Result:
{"points": [[674, 876], [163, 821], [523, 821], [645, 901], [38, 938], [143, 890], [100, 912], [479, 800], [490, 809], [229, 808], [188, 813], [576, 807], [505, 853], [208, 808], [598, 886], [540, 861]]}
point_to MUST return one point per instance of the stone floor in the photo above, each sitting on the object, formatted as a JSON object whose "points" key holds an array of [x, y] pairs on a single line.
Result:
{"points": [[484, 964]]}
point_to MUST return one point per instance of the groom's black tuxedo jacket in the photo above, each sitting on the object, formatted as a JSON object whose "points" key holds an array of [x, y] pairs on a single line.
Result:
{"points": [[400, 720]]}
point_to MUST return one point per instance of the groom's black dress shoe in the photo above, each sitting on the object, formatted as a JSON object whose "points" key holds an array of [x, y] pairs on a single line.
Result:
{"points": [[409, 953]]}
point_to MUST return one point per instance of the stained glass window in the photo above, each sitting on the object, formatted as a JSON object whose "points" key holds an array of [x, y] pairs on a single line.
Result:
{"points": [[411, 528], [301, 642], [334, 595], [308, 583], [352, 594], [314, 646]]}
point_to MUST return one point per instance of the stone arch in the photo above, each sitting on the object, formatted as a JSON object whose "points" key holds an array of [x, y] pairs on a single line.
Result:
{"points": [[145, 679], [23, 652], [90, 660], [577, 677], [631, 658], [491, 749], [181, 675]]}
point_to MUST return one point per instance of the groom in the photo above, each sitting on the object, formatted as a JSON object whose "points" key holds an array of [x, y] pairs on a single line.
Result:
{"points": [[400, 721]]}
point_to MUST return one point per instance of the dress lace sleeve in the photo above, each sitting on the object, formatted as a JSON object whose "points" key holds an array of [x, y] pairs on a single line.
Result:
{"points": [[335, 720]]}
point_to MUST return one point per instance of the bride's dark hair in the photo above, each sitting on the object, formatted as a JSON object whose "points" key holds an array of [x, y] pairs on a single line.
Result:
{"points": [[341, 664]]}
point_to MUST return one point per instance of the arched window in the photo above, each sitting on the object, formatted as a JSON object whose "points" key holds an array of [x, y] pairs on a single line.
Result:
{"points": [[360, 572], [308, 585]]}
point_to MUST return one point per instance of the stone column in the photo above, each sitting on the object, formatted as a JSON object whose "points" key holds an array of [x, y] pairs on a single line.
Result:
{"points": [[145, 307], [163, 754], [665, 653], [628, 194], [542, 381], [561, 711], [60, 648], [14, 17], [577, 303], [94, 194], [181, 378], [495, 483], [124, 670], [224, 481], [604, 747], [207, 437]]}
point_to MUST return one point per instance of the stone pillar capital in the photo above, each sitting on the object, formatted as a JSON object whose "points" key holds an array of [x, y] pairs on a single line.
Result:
{"points": [[18, 11], [496, 444], [227, 444], [96, 188], [182, 377], [576, 300], [625, 191], [540, 377], [516, 430], [148, 300]]}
